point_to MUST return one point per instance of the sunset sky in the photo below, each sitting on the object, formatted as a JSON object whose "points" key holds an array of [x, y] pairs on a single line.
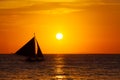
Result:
{"points": [[88, 26]]}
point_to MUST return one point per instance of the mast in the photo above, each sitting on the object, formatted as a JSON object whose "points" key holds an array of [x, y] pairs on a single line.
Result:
{"points": [[35, 44]]}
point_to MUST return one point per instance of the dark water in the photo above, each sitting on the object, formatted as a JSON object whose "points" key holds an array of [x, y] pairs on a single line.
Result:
{"points": [[61, 67]]}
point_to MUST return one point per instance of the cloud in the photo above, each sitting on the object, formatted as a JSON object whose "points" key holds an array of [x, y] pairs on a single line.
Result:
{"points": [[11, 4], [61, 11], [53, 7], [47, 7]]}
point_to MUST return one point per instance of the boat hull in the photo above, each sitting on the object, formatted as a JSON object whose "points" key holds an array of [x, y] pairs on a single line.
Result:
{"points": [[34, 59]]}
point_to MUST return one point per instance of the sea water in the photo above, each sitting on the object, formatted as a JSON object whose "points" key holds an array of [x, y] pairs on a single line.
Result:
{"points": [[61, 67]]}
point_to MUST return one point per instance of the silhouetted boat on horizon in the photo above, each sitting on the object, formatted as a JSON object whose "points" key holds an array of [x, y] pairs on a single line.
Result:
{"points": [[31, 50]]}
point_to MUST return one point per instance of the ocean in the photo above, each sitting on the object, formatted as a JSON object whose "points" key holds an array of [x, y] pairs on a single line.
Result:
{"points": [[61, 67]]}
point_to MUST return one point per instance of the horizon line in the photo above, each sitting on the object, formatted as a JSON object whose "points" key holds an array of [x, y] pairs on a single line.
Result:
{"points": [[69, 53]]}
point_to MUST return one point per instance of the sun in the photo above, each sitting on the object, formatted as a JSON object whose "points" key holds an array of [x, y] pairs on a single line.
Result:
{"points": [[59, 36]]}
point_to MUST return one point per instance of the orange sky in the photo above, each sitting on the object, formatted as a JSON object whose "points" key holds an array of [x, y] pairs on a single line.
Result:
{"points": [[88, 26]]}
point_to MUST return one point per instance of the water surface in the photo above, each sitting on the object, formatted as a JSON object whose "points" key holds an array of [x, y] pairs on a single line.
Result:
{"points": [[61, 67]]}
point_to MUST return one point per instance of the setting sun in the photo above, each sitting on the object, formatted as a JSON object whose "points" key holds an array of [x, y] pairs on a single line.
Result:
{"points": [[59, 36]]}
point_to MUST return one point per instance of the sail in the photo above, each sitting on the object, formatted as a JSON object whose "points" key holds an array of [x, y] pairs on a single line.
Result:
{"points": [[39, 52], [28, 49]]}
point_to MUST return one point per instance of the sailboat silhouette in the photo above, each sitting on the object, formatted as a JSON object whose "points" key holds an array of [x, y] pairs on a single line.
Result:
{"points": [[31, 50]]}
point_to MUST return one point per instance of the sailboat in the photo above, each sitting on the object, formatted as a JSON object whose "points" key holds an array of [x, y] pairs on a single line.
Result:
{"points": [[31, 50]]}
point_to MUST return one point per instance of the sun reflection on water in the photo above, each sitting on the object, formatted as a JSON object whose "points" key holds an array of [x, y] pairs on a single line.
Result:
{"points": [[59, 65], [60, 77], [60, 74]]}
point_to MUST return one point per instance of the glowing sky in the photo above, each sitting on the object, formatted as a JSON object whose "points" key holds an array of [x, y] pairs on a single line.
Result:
{"points": [[88, 26]]}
